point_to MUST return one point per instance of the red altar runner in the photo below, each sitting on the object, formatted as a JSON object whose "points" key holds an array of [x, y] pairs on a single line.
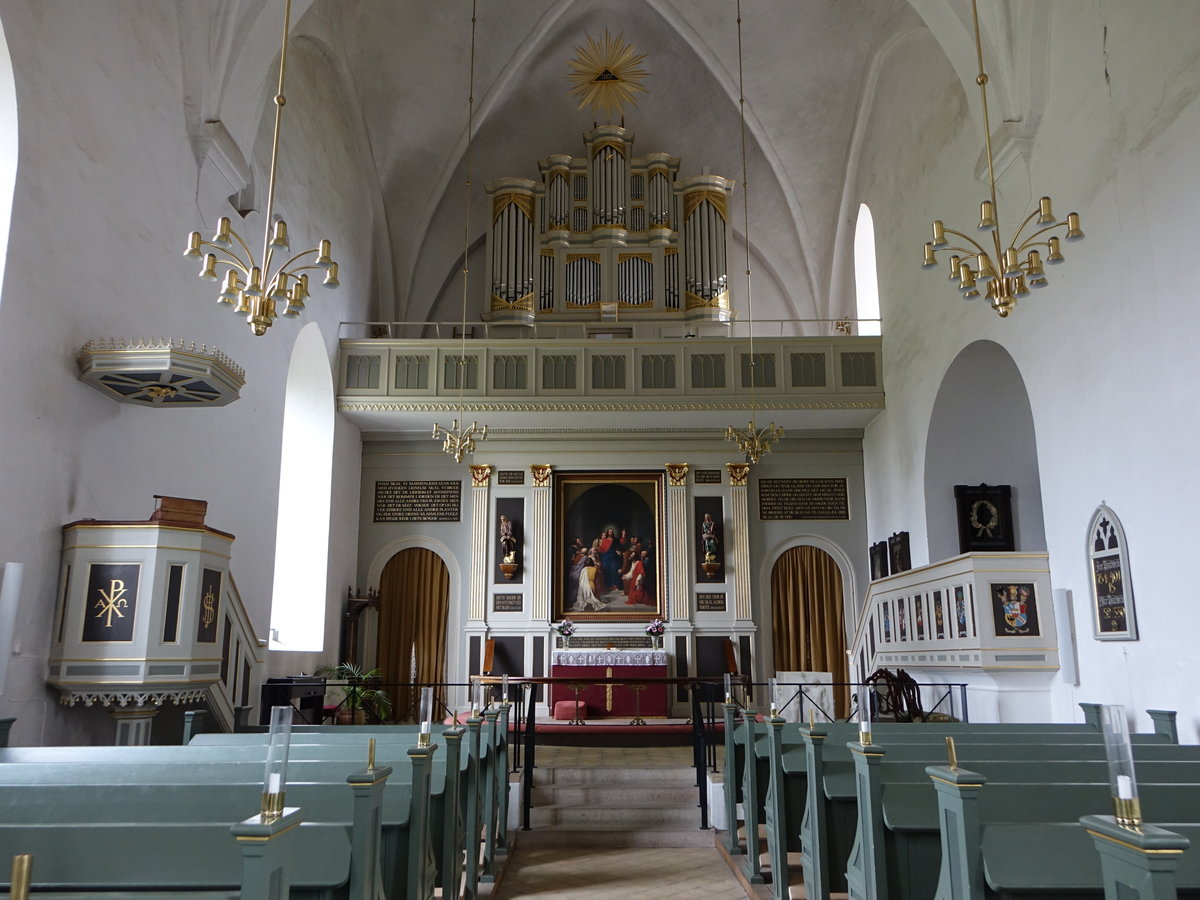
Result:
{"points": [[615, 700]]}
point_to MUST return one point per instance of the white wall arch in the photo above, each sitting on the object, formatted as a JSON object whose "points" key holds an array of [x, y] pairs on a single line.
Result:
{"points": [[850, 599], [981, 430], [457, 610]]}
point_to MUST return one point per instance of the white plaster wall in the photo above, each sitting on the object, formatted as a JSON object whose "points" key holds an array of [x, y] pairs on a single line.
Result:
{"points": [[103, 203], [1108, 367]]}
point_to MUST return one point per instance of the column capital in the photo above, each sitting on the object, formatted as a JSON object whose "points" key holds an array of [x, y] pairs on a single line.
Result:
{"points": [[738, 474], [481, 476], [540, 475], [677, 474]]}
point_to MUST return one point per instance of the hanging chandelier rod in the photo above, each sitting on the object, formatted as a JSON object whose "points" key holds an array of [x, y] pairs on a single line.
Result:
{"points": [[251, 289], [458, 440], [752, 441], [1011, 277]]}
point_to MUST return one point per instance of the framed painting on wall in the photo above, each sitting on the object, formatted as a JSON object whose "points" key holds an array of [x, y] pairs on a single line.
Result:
{"points": [[609, 539], [1112, 592]]}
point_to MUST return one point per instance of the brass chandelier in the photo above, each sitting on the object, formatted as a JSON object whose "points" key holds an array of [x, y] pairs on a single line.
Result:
{"points": [[458, 440], [251, 289], [1020, 261], [752, 441]]}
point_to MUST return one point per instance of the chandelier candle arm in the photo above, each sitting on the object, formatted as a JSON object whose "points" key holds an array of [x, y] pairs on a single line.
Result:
{"points": [[1020, 264], [259, 306]]}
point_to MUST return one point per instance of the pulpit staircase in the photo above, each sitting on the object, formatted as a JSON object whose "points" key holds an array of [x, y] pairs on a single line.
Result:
{"points": [[611, 806]]}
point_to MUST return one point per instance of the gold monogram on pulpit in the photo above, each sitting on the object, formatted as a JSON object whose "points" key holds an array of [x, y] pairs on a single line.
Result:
{"points": [[210, 613], [111, 602]]}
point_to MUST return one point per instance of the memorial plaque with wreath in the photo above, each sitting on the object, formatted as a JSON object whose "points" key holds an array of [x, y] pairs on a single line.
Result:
{"points": [[984, 517]]}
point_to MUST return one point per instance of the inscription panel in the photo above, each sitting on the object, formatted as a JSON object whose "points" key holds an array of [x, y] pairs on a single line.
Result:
{"points": [[803, 498], [710, 603], [418, 501], [708, 476], [507, 602], [510, 476]]}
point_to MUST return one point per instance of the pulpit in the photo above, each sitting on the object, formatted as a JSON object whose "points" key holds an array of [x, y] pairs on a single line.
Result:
{"points": [[617, 700]]}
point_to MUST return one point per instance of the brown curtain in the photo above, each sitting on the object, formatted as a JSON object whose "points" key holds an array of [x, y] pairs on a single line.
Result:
{"points": [[414, 598], [806, 613]]}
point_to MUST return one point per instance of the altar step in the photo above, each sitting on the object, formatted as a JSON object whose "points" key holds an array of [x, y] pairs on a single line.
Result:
{"points": [[615, 807]]}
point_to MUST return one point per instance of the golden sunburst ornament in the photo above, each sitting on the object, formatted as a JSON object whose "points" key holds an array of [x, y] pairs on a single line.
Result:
{"points": [[607, 75]]}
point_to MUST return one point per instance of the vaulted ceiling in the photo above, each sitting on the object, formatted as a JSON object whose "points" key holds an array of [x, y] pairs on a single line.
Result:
{"points": [[405, 66]]}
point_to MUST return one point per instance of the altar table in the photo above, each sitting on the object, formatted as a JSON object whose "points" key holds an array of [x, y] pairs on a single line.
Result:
{"points": [[616, 700]]}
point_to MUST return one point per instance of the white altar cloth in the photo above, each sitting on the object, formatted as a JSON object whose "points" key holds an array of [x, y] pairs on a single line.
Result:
{"points": [[600, 657], [817, 691]]}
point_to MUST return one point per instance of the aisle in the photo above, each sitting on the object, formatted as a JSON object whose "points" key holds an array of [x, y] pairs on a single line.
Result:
{"points": [[642, 874]]}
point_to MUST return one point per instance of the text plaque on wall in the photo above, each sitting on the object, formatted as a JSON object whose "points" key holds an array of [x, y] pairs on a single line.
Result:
{"points": [[710, 603], [418, 501], [506, 602], [802, 498], [708, 476], [510, 476]]}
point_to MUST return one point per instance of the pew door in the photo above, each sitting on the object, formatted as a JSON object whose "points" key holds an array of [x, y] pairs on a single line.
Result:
{"points": [[414, 599], [807, 618]]}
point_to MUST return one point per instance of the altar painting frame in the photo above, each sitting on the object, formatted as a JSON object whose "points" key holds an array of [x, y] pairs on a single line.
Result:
{"points": [[586, 506]]}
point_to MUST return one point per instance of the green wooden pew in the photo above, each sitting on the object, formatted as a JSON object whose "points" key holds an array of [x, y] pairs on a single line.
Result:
{"points": [[407, 858], [174, 839], [1024, 841], [830, 818]]}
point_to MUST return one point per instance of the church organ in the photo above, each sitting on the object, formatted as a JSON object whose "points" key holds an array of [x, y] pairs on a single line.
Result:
{"points": [[608, 233]]}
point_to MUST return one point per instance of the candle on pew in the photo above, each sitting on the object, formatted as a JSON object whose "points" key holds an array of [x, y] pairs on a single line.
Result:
{"points": [[773, 687], [1122, 778], [275, 777], [728, 688]]}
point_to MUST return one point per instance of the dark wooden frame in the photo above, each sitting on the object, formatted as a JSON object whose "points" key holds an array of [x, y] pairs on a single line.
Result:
{"points": [[985, 520]]}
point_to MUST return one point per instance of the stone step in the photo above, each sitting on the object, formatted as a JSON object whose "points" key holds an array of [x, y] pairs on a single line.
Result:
{"points": [[617, 796], [615, 776], [567, 838], [631, 817]]}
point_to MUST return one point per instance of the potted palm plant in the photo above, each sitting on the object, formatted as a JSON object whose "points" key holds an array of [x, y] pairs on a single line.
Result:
{"points": [[360, 693]]}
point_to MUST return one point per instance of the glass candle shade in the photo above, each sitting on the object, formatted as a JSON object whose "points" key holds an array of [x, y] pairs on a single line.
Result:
{"points": [[275, 777], [728, 688], [426, 716], [1121, 776], [477, 699], [504, 688], [773, 691]]}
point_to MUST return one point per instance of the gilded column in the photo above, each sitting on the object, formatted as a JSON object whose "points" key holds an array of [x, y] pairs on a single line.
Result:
{"points": [[677, 563], [541, 571], [481, 481], [739, 476]]}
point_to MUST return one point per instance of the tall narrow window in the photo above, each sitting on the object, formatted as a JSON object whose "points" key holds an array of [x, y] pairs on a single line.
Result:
{"points": [[8, 145], [866, 276], [306, 479]]}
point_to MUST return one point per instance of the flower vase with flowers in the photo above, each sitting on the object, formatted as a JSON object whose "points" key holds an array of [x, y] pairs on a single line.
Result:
{"points": [[565, 628], [655, 629]]}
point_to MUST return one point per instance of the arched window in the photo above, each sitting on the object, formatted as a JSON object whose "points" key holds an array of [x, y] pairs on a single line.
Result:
{"points": [[866, 276], [8, 145], [305, 486]]}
